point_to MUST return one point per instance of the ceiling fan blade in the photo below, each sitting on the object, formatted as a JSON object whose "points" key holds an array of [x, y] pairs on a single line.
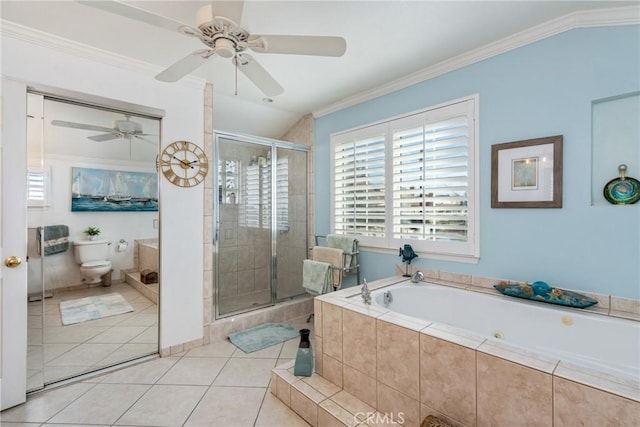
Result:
{"points": [[145, 139], [231, 10], [299, 45], [258, 75], [128, 11], [80, 126], [185, 66], [104, 137]]}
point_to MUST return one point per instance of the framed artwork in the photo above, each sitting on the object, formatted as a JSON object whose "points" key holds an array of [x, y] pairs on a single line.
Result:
{"points": [[103, 190], [527, 174]]}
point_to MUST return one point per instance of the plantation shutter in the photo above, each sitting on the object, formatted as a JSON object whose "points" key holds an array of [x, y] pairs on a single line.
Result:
{"points": [[430, 176], [35, 187], [282, 194], [359, 183], [412, 179]]}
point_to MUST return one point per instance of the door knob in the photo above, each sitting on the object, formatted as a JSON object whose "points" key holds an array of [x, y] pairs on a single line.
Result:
{"points": [[12, 261]]}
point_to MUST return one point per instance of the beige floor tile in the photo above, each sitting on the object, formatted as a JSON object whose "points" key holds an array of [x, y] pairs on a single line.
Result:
{"points": [[57, 373], [143, 373], [228, 406], [290, 348], [218, 348], [103, 404], [52, 351], [84, 355], [149, 336], [141, 319], [163, 405], [70, 335], [19, 424], [194, 371], [274, 413], [35, 356], [42, 406], [118, 334], [128, 352], [245, 372]]}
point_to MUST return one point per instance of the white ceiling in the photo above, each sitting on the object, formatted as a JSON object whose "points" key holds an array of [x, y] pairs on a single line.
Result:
{"points": [[386, 41]]}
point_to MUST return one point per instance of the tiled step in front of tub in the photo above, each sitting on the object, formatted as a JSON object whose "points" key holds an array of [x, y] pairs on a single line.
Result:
{"points": [[150, 291], [322, 403]]}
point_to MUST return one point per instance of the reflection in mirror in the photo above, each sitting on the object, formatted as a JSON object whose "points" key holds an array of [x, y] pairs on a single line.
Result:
{"points": [[93, 297]]}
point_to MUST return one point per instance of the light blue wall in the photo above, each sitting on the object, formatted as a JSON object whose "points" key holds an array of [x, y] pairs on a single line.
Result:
{"points": [[543, 89]]}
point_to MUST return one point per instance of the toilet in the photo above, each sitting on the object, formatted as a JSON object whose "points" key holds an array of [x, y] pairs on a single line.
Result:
{"points": [[93, 257]]}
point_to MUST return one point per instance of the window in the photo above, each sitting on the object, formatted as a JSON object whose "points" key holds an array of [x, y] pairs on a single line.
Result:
{"points": [[37, 183], [411, 179]]}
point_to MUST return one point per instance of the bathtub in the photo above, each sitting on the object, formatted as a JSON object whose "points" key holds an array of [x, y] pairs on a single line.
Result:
{"points": [[599, 342]]}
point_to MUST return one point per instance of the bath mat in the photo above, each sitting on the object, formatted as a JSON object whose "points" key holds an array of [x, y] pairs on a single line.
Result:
{"points": [[262, 336], [91, 308]]}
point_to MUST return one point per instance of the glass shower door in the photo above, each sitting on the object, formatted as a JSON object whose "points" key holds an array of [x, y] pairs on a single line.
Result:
{"points": [[244, 252], [291, 220]]}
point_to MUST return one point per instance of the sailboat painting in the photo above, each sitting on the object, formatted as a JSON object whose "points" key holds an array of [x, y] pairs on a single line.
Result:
{"points": [[102, 190]]}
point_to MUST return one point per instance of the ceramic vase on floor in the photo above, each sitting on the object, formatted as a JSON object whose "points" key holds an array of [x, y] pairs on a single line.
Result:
{"points": [[304, 356]]}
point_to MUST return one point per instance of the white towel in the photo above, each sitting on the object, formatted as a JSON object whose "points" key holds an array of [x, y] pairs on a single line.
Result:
{"points": [[316, 277], [332, 256]]}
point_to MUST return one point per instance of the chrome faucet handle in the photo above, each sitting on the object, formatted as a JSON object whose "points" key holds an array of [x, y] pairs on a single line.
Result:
{"points": [[365, 293], [417, 277]]}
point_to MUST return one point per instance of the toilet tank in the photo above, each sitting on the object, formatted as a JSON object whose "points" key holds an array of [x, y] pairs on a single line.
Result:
{"points": [[91, 250]]}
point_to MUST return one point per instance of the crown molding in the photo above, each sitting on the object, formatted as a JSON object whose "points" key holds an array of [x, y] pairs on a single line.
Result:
{"points": [[591, 18], [60, 44]]}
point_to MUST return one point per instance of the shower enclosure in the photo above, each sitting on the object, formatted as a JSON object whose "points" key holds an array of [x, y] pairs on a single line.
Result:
{"points": [[261, 222]]}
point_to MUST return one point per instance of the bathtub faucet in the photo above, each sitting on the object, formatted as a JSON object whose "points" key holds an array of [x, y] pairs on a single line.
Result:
{"points": [[365, 293], [387, 298]]}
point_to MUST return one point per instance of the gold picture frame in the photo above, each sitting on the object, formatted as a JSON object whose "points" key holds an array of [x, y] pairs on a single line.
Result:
{"points": [[527, 174]]}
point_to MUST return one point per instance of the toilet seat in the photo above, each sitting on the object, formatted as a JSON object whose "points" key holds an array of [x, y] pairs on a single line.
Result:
{"points": [[96, 264]]}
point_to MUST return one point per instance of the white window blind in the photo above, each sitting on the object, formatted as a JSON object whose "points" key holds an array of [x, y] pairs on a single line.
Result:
{"points": [[359, 184], [410, 179]]}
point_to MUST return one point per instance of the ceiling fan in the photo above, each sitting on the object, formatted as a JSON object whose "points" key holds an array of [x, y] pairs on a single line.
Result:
{"points": [[125, 129], [218, 27]]}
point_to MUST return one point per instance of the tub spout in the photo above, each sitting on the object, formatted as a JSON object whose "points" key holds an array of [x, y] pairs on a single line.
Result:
{"points": [[365, 293], [387, 298]]}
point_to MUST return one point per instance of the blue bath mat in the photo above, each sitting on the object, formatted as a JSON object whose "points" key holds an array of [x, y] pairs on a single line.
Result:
{"points": [[262, 336], [91, 308]]}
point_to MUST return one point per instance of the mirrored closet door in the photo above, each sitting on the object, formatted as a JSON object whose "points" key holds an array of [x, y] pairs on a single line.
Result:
{"points": [[93, 262]]}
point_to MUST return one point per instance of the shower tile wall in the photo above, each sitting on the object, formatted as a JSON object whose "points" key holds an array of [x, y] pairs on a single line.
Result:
{"points": [[244, 262]]}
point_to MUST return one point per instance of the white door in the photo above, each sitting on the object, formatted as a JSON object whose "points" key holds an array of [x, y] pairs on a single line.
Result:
{"points": [[13, 243]]}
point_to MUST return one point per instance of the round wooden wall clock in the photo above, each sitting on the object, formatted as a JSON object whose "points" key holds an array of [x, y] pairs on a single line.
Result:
{"points": [[184, 164]]}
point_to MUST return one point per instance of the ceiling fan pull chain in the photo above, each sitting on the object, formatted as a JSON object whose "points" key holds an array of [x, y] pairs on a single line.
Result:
{"points": [[235, 61]]}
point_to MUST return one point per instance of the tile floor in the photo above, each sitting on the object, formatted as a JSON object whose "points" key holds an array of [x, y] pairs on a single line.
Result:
{"points": [[213, 385], [65, 351]]}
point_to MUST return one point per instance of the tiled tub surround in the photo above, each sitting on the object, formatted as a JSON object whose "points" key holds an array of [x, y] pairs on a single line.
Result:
{"points": [[397, 364], [552, 330], [145, 257]]}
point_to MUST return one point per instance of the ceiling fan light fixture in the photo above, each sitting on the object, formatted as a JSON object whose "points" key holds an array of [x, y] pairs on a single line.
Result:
{"points": [[224, 47], [127, 127]]}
